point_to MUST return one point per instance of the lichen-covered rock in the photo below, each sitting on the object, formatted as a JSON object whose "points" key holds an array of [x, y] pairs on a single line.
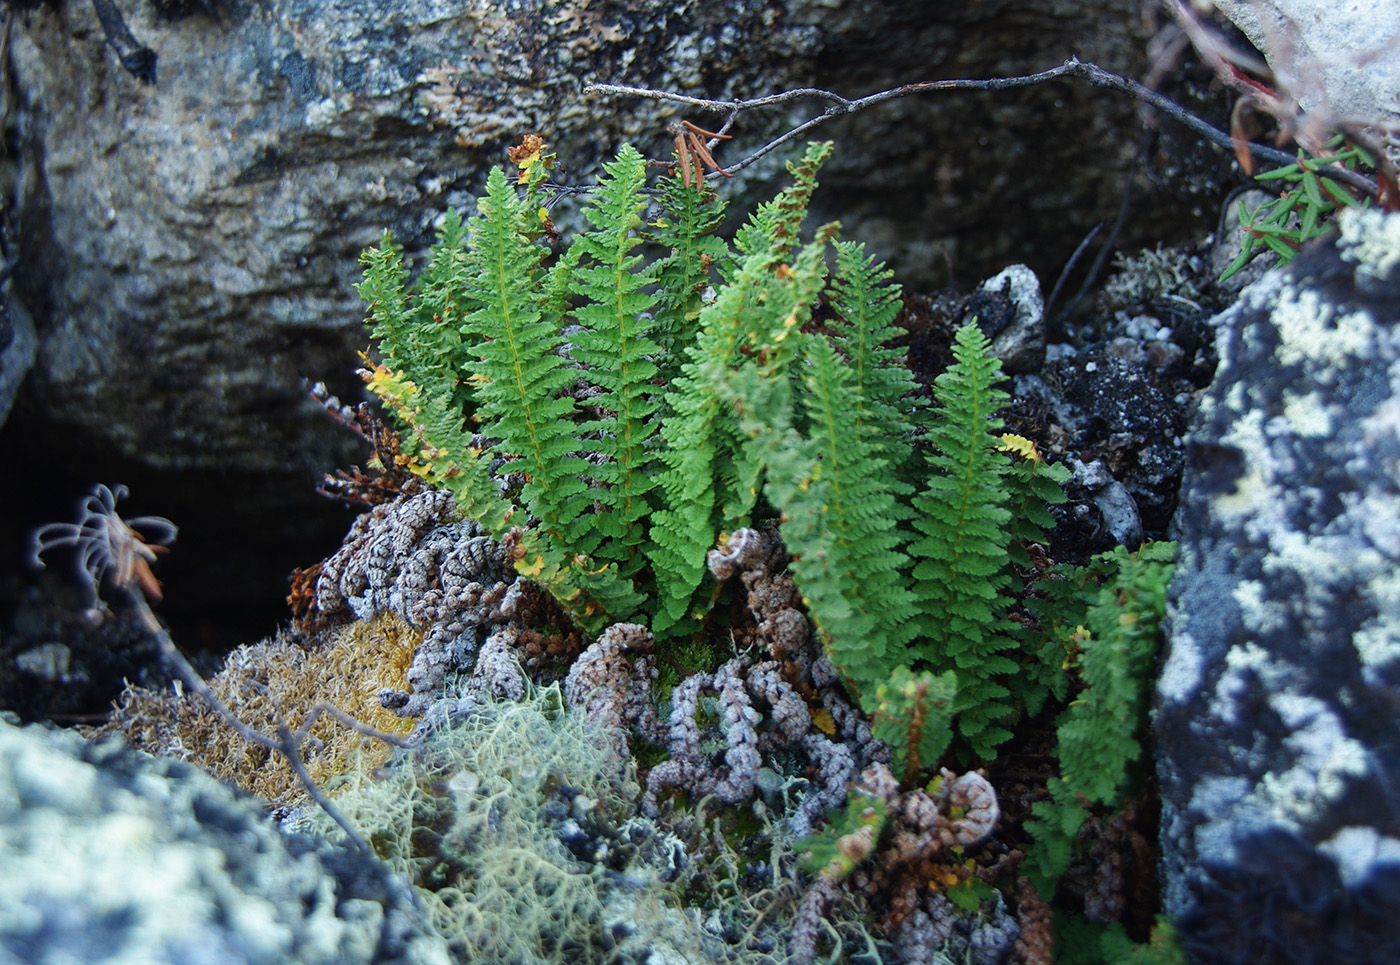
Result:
{"points": [[1279, 750], [112, 856]]}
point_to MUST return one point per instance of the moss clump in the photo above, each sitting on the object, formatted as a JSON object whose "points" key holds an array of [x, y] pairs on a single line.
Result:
{"points": [[276, 677]]}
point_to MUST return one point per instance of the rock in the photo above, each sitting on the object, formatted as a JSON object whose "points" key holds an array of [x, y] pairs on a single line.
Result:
{"points": [[1339, 60], [189, 248], [113, 856], [1010, 310], [17, 347], [1126, 410], [1279, 756], [195, 242]]}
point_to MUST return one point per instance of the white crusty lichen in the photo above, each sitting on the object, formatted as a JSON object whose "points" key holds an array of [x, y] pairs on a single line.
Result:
{"points": [[1256, 489], [1357, 851], [1309, 416], [1310, 330], [1377, 641], [1371, 239], [1327, 759]]}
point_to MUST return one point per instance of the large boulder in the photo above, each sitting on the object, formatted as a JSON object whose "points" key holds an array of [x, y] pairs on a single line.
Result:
{"points": [[1339, 60], [113, 856], [1279, 754], [190, 247]]}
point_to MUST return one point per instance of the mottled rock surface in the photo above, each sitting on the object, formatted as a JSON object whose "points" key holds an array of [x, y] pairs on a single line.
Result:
{"points": [[1337, 59], [1277, 704], [110, 855], [191, 246]]}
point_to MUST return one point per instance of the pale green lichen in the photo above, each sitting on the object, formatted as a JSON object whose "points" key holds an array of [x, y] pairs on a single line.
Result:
{"points": [[1377, 642], [1308, 414], [475, 817], [1327, 758], [1310, 330], [1259, 614], [1371, 239], [1255, 488]]}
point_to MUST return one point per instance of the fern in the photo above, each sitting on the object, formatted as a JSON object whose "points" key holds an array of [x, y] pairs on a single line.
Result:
{"points": [[1098, 732], [710, 484], [685, 274], [519, 377], [615, 516], [866, 304], [615, 347], [444, 455], [963, 557]]}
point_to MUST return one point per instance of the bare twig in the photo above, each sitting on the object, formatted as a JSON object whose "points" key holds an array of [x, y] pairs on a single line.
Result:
{"points": [[838, 106], [111, 549]]}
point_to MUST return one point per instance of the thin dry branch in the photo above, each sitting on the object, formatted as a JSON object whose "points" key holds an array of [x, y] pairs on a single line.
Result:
{"points": [[111, 550], [838, 106]]}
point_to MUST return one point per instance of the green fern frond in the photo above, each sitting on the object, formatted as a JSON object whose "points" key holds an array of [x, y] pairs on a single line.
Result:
{"points": [[775, 226], [914, 715], [839, 518], [963, 554], [686, 230], [441, 450], [710, 480], [385, 290], [1099, 731], [866, 305], [615, 347], [1033, 486], [594, 596], [519, 378]]}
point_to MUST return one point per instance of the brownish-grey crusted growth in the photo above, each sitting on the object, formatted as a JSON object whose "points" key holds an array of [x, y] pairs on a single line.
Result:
{"points": [[799, 669], [440, 574], [1119, 870], [497, 672], [740, 688], [609, 685], [759, 560], [807, 926], [939, 931], [924, 828], [1036, 943], [922, 822]]}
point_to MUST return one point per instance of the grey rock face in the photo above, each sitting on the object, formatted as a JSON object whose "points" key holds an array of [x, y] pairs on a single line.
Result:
{"points": [[17, 347], [191, 246], [111, 856], [1337, 59], [1279, 749]]}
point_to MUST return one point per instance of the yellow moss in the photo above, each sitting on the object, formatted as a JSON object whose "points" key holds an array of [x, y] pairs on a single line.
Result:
{"points": [[259, 681]]}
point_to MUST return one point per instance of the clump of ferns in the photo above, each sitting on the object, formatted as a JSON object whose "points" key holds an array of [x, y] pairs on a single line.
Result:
{"points": [[114, 552]]}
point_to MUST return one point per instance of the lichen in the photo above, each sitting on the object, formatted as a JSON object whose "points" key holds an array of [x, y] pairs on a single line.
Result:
{"points": [[1371, 239]]}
